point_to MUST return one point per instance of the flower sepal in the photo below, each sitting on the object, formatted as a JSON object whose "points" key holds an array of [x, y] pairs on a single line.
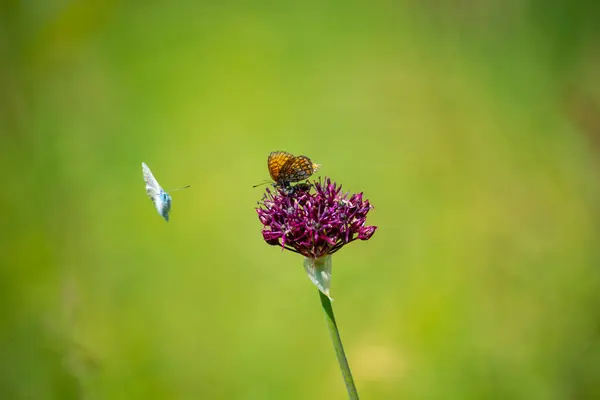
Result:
{"points": [[319, 272]]}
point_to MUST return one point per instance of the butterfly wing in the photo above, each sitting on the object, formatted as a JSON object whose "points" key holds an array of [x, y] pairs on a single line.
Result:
{"points": [[297, 169], [276, 161], [160, 198], [153, 189]]}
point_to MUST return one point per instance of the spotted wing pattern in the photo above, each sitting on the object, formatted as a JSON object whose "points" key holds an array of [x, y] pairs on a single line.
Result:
{"points": [[297, 169], [285, 168], [276, 161]]}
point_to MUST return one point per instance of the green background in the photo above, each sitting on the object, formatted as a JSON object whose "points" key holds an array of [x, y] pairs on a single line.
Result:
{"points": [[473, 128]]}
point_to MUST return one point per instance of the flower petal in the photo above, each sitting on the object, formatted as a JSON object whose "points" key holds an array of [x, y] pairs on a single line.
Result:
{"points": [[366, 232]]}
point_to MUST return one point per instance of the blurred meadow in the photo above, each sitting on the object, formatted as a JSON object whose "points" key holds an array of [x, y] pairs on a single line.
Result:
{"points": [[474, 130]]}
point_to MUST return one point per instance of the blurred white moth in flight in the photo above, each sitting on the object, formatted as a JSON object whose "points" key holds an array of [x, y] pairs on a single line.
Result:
{"points": [[160, 198]]}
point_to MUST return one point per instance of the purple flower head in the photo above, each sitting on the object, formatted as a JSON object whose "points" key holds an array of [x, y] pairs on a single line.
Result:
{"points": [[314, 224]]}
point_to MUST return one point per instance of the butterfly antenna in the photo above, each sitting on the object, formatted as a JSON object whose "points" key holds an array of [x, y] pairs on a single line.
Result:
{"points": [[181, 188], [262, 183]]}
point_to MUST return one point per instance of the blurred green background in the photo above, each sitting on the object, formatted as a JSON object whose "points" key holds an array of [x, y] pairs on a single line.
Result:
{"points": [[473, 128]]}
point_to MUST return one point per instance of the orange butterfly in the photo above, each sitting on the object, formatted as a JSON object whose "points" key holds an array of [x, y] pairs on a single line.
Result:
{"points": [[286, 168]]}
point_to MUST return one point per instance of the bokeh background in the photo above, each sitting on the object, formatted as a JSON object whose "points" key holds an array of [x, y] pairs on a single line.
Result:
{"points": [[472, 127]]}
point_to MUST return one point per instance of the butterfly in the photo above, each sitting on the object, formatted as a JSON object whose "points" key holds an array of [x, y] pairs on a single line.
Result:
{"points": [[285, 168], [160, 198]]}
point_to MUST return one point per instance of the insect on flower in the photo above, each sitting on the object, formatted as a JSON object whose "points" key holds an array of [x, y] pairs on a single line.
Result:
{"points": [[286, 168], [315, 223], [160, 198]]}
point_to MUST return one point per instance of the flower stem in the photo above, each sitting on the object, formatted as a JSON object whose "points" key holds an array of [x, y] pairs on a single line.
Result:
{"points": [[337, 345]]}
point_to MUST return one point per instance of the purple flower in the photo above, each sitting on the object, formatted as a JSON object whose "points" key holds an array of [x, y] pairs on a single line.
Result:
{"points": [[314, 224]]}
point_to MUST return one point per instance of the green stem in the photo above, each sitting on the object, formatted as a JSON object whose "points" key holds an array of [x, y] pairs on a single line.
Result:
{"points": [[337, 345]]}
